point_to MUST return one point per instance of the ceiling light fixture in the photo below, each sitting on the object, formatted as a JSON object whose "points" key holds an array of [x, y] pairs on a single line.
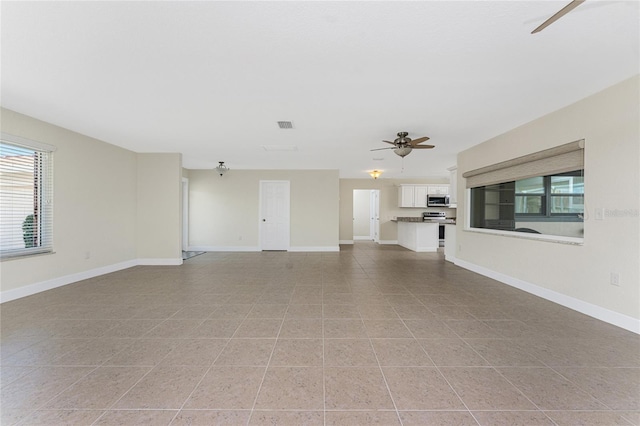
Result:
{"points": [[222, 169], [403, 151], [375, 174]]}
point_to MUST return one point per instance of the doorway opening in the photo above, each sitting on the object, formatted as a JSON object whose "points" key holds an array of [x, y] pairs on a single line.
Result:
{"points": [[186, 253], [366, 215]]}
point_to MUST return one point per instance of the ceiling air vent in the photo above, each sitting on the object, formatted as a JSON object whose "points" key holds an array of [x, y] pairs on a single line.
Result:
{"points": [[285, 124]]}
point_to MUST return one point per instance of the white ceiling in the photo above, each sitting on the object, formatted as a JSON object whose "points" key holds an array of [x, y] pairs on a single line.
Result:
{"points": [[210, 79]]}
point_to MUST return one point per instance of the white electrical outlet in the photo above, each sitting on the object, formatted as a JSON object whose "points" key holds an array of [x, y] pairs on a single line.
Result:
{"points": [[615, 279], [599, 213]]}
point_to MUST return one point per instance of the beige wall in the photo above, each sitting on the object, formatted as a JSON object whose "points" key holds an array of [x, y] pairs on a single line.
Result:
{"points": [[94, 204], [608, 121], [159, 216], [113, 209], [223, 211], [388, 204]]}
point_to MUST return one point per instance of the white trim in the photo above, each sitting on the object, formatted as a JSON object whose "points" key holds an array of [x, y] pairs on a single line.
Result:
{"points": [[185, 213], [223, 248], [27, 143], [345, 242], [314, 249], [425, 249], [363, 238], [376, 195], [527, 236], [451, 259], [598, 312], [160, 262], [391, 242], [28, 290]]}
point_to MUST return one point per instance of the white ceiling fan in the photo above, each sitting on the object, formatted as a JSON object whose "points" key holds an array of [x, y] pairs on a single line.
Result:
{"points": [[568, 8]]}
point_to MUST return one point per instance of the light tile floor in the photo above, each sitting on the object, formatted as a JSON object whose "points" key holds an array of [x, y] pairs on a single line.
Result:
{"points": [[369, 335]]}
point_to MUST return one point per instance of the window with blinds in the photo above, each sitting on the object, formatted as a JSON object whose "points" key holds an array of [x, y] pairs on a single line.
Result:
{"points": [[26, 197], [540, 193]]}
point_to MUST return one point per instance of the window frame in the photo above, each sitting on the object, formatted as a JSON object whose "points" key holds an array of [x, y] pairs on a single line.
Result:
{"points": [[478, 223], [43, 197], [547, 202]]}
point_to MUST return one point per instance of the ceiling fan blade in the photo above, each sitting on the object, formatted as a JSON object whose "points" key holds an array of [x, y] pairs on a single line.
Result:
{"points": [[392, 143], [380, 149], [419, 140], [423, 147], [568, 8]]}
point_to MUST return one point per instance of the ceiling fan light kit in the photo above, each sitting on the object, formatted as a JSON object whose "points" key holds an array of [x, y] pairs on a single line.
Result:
{"points": [[221, 168], [403, 151]]}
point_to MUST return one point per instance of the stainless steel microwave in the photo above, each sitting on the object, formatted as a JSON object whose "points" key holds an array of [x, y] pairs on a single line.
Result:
{"points": [[437, 200]]}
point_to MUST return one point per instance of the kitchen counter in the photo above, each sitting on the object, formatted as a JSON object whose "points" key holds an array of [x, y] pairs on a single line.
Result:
{"points": [[419, 219], [419, 235]]}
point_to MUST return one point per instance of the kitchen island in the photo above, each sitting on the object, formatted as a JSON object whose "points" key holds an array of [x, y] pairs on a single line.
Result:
{"points": [[417, 234]]}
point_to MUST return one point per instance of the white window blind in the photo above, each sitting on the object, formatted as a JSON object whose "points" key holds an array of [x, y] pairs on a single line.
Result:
{"points": [[560, 159], [26, 197]]}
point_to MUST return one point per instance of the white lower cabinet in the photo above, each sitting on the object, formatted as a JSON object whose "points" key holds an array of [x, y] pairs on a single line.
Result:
{"points": [[418, 236], [450, 242]]}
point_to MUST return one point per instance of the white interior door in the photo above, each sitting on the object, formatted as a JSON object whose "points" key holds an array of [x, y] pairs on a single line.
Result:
{"points": [[274, 215], [375, 214]]}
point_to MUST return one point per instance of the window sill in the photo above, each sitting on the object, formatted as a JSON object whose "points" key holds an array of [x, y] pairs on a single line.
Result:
{"points": [[526, 236], [26, 256]]}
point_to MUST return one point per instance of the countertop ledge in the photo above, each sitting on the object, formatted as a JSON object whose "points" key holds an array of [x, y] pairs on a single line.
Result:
{"points": [[420, 220]]}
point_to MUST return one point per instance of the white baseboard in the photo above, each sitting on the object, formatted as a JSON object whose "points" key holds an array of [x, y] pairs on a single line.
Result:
{"points": [[345, 242], [451, 259], [426, 249], [388, 242], [598, 312], [315, 249], [367, 238], [160, 262], [28, 290], [223, 248]]}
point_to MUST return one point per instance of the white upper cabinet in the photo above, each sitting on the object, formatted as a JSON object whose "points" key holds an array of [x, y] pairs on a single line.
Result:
{"points": [[438, 189], [453, 183], [420, 195], [412, 195]]}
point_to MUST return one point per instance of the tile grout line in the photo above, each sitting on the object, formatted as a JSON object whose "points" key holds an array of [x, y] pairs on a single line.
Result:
{"points": [[324, 380], [55, 396], [266, 369], [202, 378], [384, 378], [523, 394], [208, 368], [442, 375]]}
